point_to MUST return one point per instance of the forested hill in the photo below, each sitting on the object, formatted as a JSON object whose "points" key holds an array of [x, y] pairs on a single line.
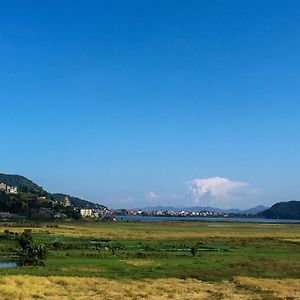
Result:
{"points": [[282, 210], [76, 201], [18, 181], [26, 185]]}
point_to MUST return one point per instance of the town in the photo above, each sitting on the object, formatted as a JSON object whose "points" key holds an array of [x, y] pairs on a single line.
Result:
{"points": [[102, 212], [170, 213]]}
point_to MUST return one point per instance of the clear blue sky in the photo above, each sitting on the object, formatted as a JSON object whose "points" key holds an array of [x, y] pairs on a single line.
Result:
{"points": [[134, 103]]}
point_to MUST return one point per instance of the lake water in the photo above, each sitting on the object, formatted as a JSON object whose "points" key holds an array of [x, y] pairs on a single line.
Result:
{"points": [[174, 219], [7, 264]]}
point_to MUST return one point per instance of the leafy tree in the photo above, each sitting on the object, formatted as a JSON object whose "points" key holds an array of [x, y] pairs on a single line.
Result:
{"points": [[31, 254], [25, 239]]}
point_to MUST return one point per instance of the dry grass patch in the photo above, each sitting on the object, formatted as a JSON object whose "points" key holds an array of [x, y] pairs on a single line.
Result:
{"points": [[63, 287], [272, 288], [293, 240], [31, 287], [177, 231], [142, 262]]}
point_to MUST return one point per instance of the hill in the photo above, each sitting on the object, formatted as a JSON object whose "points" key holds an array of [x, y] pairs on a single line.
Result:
{"points": [[27, 199], [76, 201], [19, 181], [282, 210]]}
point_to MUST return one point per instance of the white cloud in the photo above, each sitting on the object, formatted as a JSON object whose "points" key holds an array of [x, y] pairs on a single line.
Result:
{"points": [[151, 196], [217, 191]]}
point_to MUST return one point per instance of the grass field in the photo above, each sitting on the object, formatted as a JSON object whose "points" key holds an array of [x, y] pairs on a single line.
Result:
{"points": [[154, 261]]}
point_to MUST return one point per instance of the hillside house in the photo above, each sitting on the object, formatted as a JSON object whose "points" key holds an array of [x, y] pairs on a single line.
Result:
{"points": [[84, 212], [66, 202], [2, 187], [11, 189], [8, 189]]}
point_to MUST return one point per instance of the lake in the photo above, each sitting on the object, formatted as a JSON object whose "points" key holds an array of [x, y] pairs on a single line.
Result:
{"points": [[221, 219], [4, 264]]}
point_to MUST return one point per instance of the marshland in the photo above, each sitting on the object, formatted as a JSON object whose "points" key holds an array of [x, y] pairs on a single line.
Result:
{"points": [[170, 260]]}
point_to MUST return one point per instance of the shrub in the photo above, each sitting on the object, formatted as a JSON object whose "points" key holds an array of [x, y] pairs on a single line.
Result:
{"points": [[58, 245], [194, 251]]}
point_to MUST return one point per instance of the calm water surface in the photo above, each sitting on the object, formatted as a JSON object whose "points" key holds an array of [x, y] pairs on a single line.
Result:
{"points": [[168, 219], [4, 264]]}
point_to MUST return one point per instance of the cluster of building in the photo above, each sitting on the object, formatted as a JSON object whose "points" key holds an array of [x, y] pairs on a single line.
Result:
{"points": [[8, 188], [170, 213], [95, 213], [101, 212], [89, 212]]}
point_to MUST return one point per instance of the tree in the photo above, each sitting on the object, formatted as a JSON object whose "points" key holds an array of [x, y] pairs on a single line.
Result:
{"points": [[25, 239], [31, 254]]}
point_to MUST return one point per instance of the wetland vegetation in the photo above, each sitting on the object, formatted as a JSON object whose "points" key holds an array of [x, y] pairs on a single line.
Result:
{"points": [[182, 255]]}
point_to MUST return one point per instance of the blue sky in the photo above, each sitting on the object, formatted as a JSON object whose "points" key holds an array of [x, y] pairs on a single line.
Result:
{"points": [[138, 103]]}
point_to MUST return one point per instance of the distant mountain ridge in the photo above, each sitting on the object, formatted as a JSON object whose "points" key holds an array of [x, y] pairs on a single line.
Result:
{"points": [[253, 210]]}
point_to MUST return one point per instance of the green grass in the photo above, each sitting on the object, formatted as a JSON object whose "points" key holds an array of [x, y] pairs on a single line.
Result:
{"points": [[255, 251]]}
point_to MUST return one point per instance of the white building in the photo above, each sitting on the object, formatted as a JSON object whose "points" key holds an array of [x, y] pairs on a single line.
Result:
{"points": [[66, 202], [11, 189], [2, 187], [84, 212]]}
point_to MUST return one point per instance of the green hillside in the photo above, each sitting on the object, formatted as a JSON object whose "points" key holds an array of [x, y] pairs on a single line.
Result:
{"points": [[32, 199], [76, 201], [19, 181], [283, 210]]}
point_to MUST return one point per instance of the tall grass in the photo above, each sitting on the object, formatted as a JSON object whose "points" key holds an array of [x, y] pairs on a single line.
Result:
{"points": [[32, 287]]}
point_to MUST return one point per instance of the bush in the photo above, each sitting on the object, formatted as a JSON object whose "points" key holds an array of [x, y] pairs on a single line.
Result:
{"points": [[194, 251], [140, 255], [7, 235], [58, 245]]}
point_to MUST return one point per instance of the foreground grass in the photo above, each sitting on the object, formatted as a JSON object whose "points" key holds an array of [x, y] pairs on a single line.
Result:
{"points": [[32, 287]]}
